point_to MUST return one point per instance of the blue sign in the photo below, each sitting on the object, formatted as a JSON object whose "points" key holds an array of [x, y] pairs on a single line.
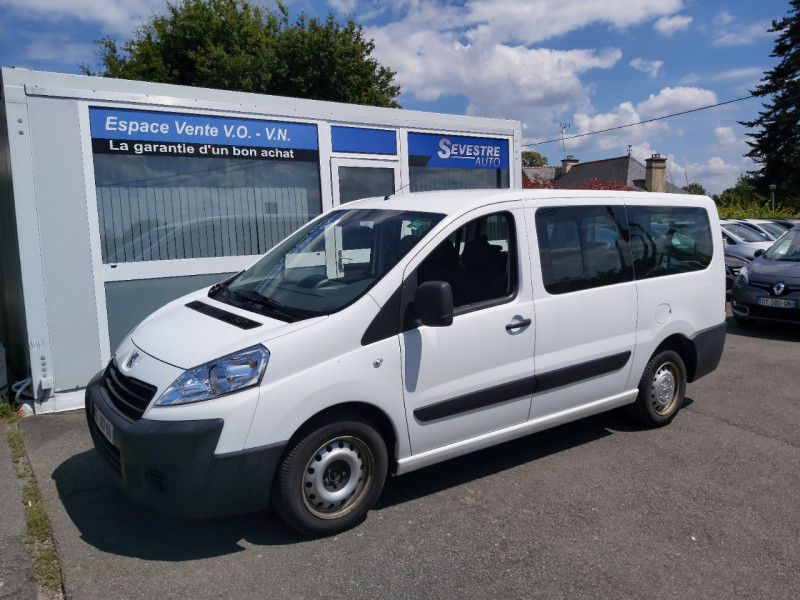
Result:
{"points": [[364, 141], [152, 126], [458, 152]]}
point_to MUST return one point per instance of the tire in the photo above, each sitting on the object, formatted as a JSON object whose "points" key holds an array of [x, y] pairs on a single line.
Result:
{"points": [[316, 491], [661, 390]]}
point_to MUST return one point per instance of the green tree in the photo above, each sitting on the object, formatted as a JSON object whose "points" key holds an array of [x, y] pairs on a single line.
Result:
{"points": [[234, 45], [744, 201], [775, 146], [695, 188], [531, 158]]}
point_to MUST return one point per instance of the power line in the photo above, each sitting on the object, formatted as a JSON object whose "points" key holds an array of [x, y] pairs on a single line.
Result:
{"points": [[677, 114]]}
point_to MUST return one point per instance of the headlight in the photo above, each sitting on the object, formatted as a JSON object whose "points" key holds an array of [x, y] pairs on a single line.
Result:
{"points": [[218, 377], [742, 278]]}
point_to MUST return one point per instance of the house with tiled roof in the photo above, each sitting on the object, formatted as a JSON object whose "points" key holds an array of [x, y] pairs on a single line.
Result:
{"points": [[624, 172]]}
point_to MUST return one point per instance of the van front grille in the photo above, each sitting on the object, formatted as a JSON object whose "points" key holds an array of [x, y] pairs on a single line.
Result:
{"points": [[129, 396]]}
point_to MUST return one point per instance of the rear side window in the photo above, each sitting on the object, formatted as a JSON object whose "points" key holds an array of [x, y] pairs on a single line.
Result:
{"points": [[669, 239], [582, 247]]}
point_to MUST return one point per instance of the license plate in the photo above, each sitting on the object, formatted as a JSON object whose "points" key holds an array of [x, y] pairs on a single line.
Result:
{"points": [[104, 425], [777, 302]]}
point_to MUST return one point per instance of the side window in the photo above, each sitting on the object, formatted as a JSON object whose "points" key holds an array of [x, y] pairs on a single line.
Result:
{"points": [[669, 239], [478, 261], [581, 247]]}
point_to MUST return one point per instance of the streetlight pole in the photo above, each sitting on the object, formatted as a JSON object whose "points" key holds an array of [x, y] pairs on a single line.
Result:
{"points": [[772, 196]]}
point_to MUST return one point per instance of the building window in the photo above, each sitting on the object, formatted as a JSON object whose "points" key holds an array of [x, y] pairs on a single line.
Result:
{"points": [[173, 186]]}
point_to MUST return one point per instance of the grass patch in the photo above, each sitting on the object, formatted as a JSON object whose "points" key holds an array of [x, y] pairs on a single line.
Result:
{"points": [[46, 564], [8, 410]]}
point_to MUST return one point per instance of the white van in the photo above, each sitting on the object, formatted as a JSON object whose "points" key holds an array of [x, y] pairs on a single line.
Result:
{"points": [[393, 333]]}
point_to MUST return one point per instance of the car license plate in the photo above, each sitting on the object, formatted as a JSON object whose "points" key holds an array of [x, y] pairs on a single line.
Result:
{"points": [[104, 425], [777, 302]]}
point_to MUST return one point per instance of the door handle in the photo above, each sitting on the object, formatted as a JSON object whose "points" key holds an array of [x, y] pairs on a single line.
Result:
{"points": [[518, 325]]}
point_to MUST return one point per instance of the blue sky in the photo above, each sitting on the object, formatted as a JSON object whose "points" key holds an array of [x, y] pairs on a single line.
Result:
{"points": [[592, 64]]}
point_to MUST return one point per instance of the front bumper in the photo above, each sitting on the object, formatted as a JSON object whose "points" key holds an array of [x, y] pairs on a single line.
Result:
{"points": [[745, 303], [171, 465]]}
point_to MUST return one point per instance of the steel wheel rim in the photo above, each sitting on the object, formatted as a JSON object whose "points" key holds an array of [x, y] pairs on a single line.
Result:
{"points": [[338, 477], [664, 394]]}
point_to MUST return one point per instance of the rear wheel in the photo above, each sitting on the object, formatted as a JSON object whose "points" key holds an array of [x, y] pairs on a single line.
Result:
{"points": [[661, 390], [331, 477]]}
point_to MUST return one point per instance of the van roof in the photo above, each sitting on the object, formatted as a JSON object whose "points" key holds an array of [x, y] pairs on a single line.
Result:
{"points": [[459, 201]]}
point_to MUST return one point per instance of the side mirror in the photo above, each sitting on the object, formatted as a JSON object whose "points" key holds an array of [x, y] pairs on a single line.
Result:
{"points": [[433, 303], [758, 253]]}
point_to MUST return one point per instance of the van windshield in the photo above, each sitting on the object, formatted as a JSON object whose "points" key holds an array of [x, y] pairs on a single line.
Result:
{"points": [[327, 264]]}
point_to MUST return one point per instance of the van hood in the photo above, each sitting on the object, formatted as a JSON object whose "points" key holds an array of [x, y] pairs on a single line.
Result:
{"points": [[186, 337]]}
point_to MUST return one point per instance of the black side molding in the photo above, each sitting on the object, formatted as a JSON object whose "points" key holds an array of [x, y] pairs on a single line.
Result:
{"points": [[587, 370], [521, 387], [487, 397]]}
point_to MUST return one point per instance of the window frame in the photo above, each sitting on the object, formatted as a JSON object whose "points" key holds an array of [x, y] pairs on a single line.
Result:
{"points": [[571, 214], [512, 266]]}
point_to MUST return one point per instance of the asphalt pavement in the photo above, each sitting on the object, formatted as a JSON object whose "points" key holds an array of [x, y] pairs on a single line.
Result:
{"points": [[703, 508], [16, 568]]}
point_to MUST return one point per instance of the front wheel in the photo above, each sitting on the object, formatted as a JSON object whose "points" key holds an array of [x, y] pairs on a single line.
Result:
{"points": [[331, 477], [661, 390]]}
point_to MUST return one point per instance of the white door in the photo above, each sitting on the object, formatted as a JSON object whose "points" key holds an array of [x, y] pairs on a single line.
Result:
{"points": [[355, 178], [474, 376], [585, 308]]}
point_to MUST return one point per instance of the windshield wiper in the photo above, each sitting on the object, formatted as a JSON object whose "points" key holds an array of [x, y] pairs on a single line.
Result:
{"points": [[289, 314], [222, 286], [217, 288]]}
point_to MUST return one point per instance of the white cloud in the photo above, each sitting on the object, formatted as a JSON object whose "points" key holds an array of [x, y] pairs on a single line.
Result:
{"points": [[622, 127], [674, 100], [728, 142], [725, 136], [741, 34], [115, 16], [533, 22], [59, 48], [651, 67], [626, 125], [346, 7], [743, 80], [743, 73], [718, 174], [499, 79], [723, 18], [440, 49], [670, 25]]}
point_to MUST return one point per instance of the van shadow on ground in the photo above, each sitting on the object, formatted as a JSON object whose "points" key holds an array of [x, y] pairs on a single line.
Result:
{"points": [[111, 522]]}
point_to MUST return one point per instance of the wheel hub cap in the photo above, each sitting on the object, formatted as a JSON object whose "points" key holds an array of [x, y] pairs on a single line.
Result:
{"points": [[664, 385], [332, 476]]}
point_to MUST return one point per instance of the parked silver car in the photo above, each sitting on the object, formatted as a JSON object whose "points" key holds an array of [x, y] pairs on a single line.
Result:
{"points": [[742, 241], [769, 286], [770, 229]]}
